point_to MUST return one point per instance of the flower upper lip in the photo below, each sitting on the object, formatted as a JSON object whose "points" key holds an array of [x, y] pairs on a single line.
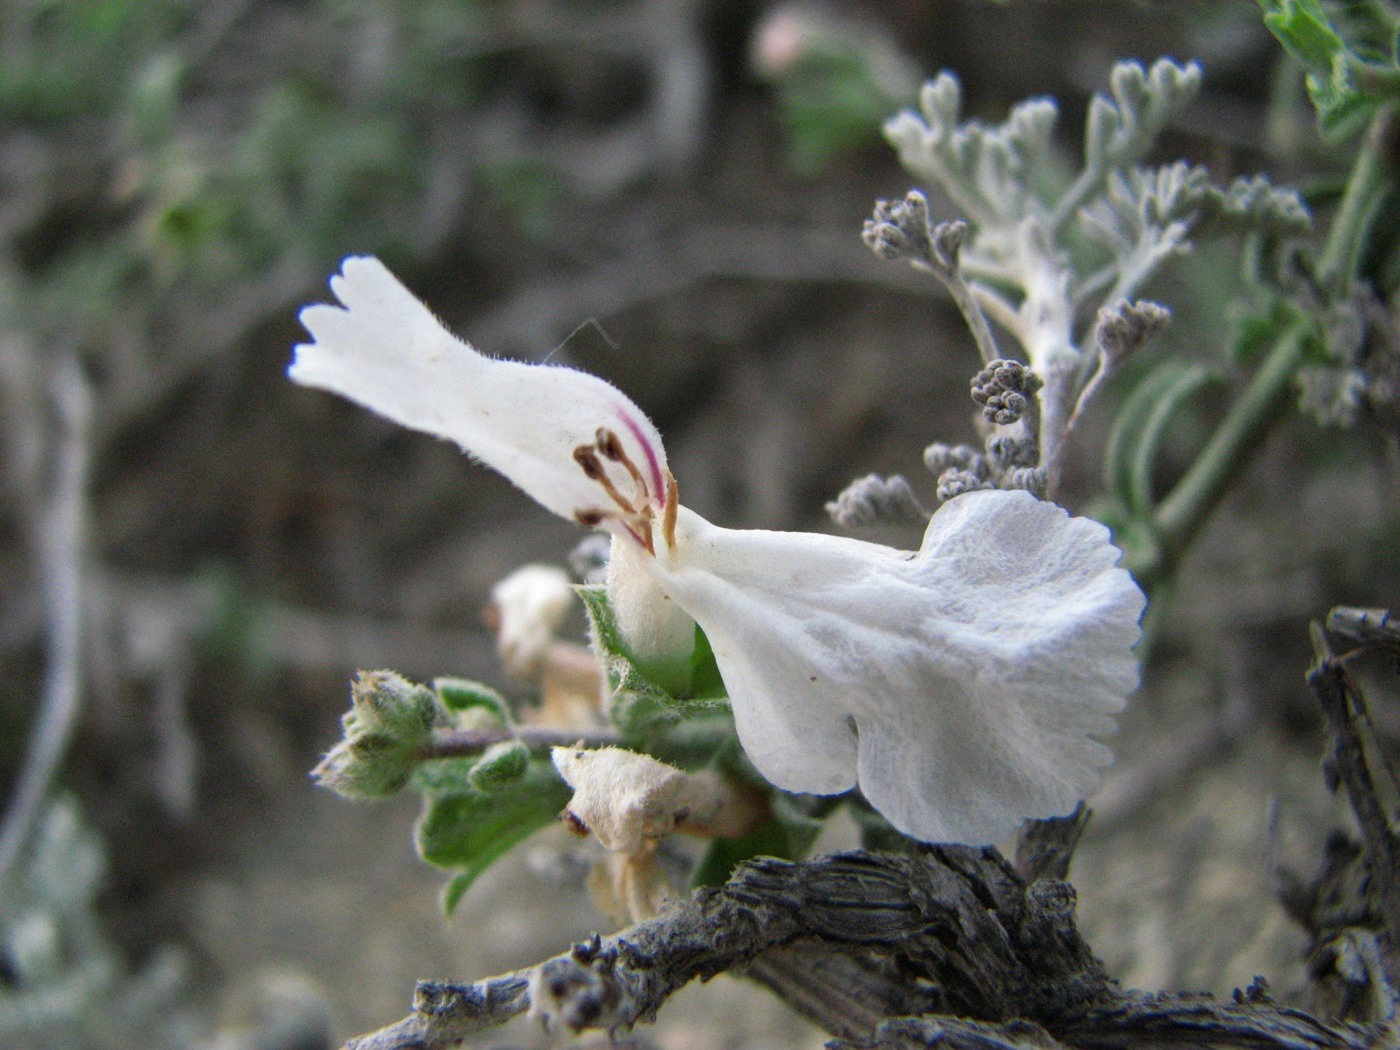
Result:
{"points": [[960, 686]]}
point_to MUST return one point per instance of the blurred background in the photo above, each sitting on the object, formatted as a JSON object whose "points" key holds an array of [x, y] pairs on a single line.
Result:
{"points": [[195, 555]]}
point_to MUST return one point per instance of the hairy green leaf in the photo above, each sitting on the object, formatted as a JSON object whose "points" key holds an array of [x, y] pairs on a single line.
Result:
{"points": [[465, 831], [1302, 26], [462, 696]]}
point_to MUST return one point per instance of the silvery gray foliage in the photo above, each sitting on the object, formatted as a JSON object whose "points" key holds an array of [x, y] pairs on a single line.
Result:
{"points": [[1332, 395], [990, 172], [1045, 265], [1254, 203], [65, 987], [1357, 371]]}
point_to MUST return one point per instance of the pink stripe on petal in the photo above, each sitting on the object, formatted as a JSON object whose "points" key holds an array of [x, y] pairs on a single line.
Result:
{"points": [[658, 491]]}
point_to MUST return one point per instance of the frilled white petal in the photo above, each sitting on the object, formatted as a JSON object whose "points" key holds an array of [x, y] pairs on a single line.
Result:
{"points": [[385, 350], [960, 686]]}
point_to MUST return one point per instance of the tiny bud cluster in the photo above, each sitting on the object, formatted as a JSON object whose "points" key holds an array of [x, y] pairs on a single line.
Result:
{"points": [[1003, 389], [938, 457], [872, 499], [385, 730], [900, 230], [1125, 326], [1006, 452], [954, 482]]}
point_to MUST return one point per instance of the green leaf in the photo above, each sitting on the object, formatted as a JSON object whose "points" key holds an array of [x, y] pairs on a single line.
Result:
{"points": [[466, 831], [1257, 330], [788, 836], [831, 105], [1347, 82], [647, 697], [445, 776], [1302, 26], [456, 889], [1137, 431], [460, 695], [500, 766], [1342, 110]]}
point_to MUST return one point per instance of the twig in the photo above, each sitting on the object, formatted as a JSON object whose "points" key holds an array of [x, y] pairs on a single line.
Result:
{"points": [[1355, 762], [947, 239], [1369, 628], [999, 309], [903, 230], [457, 743], [967, 945], [62, 530]]}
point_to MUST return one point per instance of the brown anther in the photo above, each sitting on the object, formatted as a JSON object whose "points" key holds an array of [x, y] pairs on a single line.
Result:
{"points": [[639, 519], [609, 445], [587, 458], [673, 502], [573, 823]]}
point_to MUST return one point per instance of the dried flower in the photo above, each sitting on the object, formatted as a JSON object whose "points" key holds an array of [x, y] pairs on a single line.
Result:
{"points": [[960, 685], [630, 802], [527, 609]]}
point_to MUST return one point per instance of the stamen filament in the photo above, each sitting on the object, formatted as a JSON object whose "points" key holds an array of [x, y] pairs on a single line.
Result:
{"points": [[587, 458], [610, 446], [668, 517]]}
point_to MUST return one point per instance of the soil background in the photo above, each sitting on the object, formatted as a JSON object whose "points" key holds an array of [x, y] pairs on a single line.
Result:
{"points": [[619, 191]]}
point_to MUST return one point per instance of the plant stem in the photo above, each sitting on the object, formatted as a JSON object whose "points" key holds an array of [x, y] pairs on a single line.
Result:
{"points": [[1179, 517], [976, 320], [466, 743], [1365, 188]]}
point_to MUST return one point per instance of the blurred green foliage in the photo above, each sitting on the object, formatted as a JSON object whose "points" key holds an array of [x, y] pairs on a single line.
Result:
{"points": [[1352, 55], [175, 142], [835, 81]]}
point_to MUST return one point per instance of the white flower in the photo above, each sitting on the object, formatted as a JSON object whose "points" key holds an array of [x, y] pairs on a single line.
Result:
{"points": [[960, 686]]}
